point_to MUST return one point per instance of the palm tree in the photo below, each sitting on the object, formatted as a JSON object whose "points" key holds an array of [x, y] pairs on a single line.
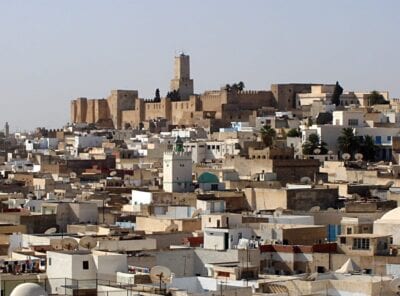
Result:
{"points": [[368, 148], [313, 142], [268, 135], [348, 142]]}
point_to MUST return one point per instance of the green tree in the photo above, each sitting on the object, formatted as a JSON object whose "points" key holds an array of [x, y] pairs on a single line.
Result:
{"points": [[240, 85], [375, 98], [293, 133], [368, 148], [337, 92], [268, 135], [236, 86], [157, 97], [174, 95], [313, 142], [348, 142]]}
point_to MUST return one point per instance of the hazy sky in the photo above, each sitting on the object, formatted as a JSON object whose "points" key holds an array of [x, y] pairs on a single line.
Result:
{"points": [[54, 51]]}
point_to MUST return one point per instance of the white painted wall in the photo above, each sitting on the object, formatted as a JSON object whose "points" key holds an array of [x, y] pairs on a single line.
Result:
{"points": [[177, 172], [141, 197]]}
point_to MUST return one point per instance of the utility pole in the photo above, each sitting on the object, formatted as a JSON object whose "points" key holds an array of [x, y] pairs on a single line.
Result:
{"points": [[247, 265], [103, 210], [184, 266]]}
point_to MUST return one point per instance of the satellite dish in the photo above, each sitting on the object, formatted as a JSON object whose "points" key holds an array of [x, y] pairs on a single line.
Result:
{"points": [[160, 274], [346, 156], [69, 244], [395, 285], [172, 228], [330, 152], [88, 242], [305, 180], [315, 209], [389, 184], [317, 151], [197, 213], [56, 244], [311, 277], [358, 156], [278, 212], [72, 175], [199, 191], [51, 230], [30, 195], [113, 173]]}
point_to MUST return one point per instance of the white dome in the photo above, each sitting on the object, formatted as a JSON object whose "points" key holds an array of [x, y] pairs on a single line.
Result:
{"points": [[392, 215], [28, 289]]}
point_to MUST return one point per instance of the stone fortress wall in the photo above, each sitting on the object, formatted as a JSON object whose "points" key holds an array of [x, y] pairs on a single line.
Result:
{"points": [[124, 108]]}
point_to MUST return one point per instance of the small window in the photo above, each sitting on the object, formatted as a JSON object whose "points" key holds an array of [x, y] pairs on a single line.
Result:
{"points": [[368, 271], [342, 240], [85, 265], [353, 122], [49, 262]]}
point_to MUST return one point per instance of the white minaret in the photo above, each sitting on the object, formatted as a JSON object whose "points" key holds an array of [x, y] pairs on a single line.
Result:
{"points": [[177, 169]]}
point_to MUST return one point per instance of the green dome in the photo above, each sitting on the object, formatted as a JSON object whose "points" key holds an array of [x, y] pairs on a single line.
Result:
{"points": [[208, 178]]}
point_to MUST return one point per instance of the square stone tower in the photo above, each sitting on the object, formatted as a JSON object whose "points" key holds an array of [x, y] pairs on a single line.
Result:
{"points": [[181, 81], [177, 171]]}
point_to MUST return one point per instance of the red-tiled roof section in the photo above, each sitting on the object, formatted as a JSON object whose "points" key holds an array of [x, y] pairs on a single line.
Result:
{"points": [[194, 241]]}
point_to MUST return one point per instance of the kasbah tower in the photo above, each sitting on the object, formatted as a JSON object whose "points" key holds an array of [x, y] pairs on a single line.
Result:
{"points": [[181, 81]]}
